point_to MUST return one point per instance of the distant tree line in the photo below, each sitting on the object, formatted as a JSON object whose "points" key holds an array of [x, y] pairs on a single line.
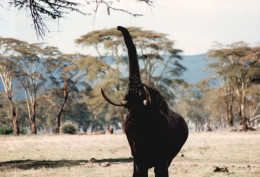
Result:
{"points": [[231, 96], [43, 87]]}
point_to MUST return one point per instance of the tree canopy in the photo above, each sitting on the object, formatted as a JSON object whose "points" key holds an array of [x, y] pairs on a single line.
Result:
{"points": [[236, 66], [42, 11]]}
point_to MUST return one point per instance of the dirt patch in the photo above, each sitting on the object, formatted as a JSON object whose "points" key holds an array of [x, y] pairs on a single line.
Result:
{"points": [[241, 165]]}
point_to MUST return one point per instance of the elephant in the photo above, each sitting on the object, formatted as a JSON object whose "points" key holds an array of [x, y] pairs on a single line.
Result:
{"points": [[155, 133]]}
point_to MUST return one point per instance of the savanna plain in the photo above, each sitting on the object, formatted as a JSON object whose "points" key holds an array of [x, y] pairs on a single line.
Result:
{"points": [[109, 155]]}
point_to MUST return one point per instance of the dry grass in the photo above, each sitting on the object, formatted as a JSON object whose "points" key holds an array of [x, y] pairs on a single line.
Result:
{"points": [[69, 155]]}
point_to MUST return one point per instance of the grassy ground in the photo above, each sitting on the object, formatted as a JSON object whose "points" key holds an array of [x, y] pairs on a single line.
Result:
{"points": [[69, 155]]}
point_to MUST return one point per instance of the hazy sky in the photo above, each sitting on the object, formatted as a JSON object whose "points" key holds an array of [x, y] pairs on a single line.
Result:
{"points": [[193, 24]]}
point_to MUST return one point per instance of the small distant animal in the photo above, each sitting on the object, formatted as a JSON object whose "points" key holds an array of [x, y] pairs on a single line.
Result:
{"points": [[225, 169], [154, 132], [110, 130]]}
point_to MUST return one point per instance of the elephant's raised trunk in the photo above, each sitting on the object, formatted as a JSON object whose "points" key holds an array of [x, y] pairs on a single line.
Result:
{"points": [[135, 82], [135, 86]]}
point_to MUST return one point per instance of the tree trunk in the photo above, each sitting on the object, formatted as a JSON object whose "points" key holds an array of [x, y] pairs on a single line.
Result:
{"points": [[243, 116], [57, 121], [122, 121], [58, 118], [57, 124], [229, 111], [16, 127], [33, 121], [85, 127], [33, 124], [230, 118], [242, 98], [14, 117], [196, 126], [227, 114]]}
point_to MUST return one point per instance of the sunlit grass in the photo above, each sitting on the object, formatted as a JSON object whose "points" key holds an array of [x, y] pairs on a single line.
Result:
{"points": [[69, 147], [69, 155]]}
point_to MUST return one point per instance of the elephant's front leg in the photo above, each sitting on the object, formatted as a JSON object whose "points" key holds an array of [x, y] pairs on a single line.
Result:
{"points": [[140, 170], [161, 169]]}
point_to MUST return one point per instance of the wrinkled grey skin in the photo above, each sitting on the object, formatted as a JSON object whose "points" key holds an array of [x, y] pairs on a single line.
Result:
{"points": [[154, 132]]}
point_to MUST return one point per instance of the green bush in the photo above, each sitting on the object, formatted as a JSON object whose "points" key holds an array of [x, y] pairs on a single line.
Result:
{"points": [[6, 130], [23, 131], [68, 128]]}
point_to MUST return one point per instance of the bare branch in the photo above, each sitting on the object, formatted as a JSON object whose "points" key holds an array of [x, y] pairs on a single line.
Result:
{"points": [[43, 10]]}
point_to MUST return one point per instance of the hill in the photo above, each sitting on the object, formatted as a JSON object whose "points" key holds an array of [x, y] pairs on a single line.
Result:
{"points": [[195, 72], [196, 68]]}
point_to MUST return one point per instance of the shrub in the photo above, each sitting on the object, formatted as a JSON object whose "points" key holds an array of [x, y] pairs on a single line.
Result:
{"points": [[68, 128], [23, 131], [6, 130]]}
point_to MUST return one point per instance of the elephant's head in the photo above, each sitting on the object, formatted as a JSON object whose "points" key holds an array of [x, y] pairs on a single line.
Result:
{"points": [[137, 95]]}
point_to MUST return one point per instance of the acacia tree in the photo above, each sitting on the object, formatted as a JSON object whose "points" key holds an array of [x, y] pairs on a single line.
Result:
{"points": [[226, 81], [65, 75], [237, 73], [247, 88], [30, 66], [109, 77], [254, 106], [8, 57], [45, 113], [190, 104], [215, 103], [160, 62], [79, 113]]}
